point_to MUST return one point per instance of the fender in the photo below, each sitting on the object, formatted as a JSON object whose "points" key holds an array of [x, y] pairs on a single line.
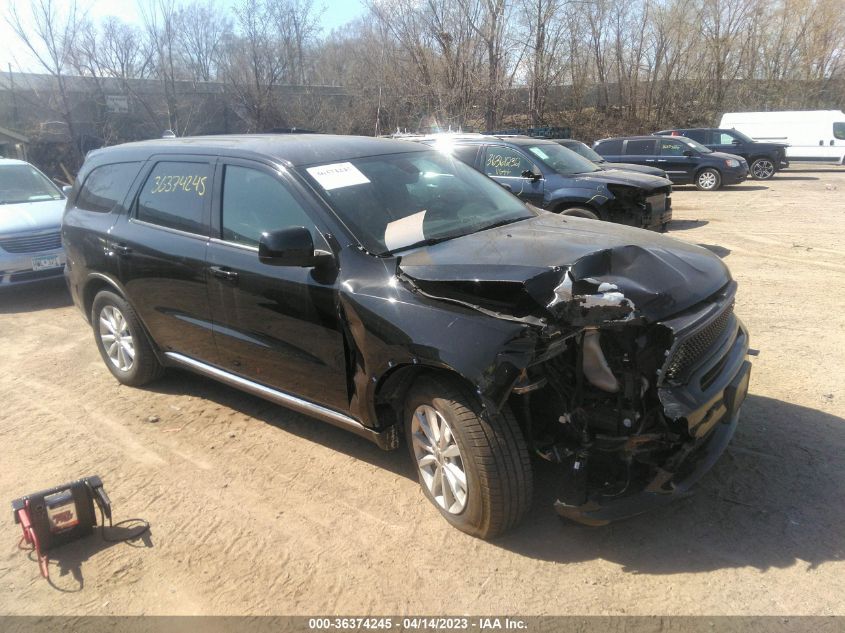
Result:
{"points": [[594, 198]]}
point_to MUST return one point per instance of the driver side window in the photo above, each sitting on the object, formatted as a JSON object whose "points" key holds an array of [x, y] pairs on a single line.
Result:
{"points": [[255, 202], [672, 148], [505, 162]]}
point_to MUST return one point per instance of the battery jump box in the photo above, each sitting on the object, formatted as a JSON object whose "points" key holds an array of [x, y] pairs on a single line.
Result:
{"points": [[53, 517]]}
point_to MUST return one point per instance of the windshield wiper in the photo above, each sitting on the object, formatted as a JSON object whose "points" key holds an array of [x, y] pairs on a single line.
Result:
{"points": [[498, 224]]}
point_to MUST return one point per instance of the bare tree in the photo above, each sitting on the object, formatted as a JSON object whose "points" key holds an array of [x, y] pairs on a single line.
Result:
{"points": [[50, 34]]}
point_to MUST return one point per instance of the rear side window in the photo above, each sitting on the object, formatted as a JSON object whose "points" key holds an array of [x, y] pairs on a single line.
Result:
{"points": [[106, 186], [505, 162], [701, 136], [254, 202], [174, 196], [613, 146], [638, 147], [839, 130]]}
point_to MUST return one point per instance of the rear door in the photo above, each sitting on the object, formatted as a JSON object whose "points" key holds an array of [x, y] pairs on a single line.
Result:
{"points": [[161, 250], [506, 165], [671, 159], [276, 325], [640, 152]]}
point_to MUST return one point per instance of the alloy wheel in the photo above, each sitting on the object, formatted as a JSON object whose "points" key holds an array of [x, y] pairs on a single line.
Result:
{"points": [[439, 459], [762, 169], [116, 338], [707, 180]]}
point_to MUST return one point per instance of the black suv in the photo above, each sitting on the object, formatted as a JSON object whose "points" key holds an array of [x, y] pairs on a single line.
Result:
{"points": [[386, 288], [684, 160], [765, 159], [548, 175]]}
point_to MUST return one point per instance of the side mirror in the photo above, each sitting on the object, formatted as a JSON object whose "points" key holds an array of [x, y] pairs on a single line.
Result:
{"points": [[689, 153], [293, 246], [530, 174], [67, 189]]}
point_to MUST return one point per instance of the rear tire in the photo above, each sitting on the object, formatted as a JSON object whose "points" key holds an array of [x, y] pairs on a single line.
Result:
{"points": [[122, 342], [472, 464], [580, 212], [762, 169], [708, 180]]}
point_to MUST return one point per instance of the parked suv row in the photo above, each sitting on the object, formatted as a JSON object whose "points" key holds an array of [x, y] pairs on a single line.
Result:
{"points": [[553, 177], [684, 160], [765, 159]]}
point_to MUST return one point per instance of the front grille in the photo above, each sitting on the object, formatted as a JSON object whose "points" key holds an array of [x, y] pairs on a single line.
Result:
{"points": [[32, 243], [692, 349]]}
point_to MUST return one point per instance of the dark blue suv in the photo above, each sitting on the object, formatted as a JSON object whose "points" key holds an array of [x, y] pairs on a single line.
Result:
{"points": [[684, 160]]}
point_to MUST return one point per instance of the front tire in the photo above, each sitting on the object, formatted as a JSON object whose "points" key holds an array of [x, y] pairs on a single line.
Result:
{"points": [[122, 342], [580, 212], [472, 464], [708, 180], [762, 169]]}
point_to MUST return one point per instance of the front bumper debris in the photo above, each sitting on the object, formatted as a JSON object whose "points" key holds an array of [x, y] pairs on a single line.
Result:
{"points": [[716, 419]]}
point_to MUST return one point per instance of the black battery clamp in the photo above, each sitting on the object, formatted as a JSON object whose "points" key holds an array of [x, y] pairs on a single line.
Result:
{"points": [[62, 514]]}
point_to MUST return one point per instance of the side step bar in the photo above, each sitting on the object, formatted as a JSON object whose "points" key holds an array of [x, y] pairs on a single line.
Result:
{"points": [[385, 439]]}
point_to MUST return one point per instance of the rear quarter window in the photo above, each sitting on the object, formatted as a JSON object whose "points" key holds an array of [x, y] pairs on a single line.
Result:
{"points": [[613, 146], [466, 153], [106, 186], [701, 136], [174, 196]]}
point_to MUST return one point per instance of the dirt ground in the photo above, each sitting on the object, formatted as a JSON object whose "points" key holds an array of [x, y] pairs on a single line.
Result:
{"points": [[257, 510]]}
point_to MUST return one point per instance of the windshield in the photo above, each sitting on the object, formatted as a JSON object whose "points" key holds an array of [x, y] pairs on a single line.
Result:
{"points": [[742, 137], [395, 201], [582, 149], [24, 183], [693, 144], [562, 160]]}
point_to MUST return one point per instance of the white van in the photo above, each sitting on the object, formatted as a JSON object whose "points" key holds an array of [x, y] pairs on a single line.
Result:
{"points": [[812, 135]]}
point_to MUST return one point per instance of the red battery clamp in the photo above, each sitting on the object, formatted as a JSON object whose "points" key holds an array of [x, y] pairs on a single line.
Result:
{"points": [[53, 517]]}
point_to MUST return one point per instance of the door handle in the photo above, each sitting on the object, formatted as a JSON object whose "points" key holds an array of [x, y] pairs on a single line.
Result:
{"points": [[221, 272], [121, 249]]}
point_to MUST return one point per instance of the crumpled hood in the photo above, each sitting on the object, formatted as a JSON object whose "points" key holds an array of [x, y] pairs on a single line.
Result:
{"points": [[532, 260], [621, 177], [24, 217]]}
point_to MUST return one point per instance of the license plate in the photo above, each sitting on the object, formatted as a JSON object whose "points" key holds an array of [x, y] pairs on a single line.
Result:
{"points": [[657, 203], [43, 262]]}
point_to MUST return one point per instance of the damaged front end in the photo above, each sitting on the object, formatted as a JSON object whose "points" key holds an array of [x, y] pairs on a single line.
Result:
{"points": [[634, 401], [636, 412], [640, 207]]}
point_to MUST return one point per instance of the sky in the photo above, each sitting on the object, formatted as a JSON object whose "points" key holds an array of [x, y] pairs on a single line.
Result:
{"points": [[337, 13]]}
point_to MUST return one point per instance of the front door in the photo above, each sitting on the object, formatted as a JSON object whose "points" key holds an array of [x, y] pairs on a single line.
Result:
{"points": [[276, 325], [506, 165], [671, 159], [728, 143]]}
